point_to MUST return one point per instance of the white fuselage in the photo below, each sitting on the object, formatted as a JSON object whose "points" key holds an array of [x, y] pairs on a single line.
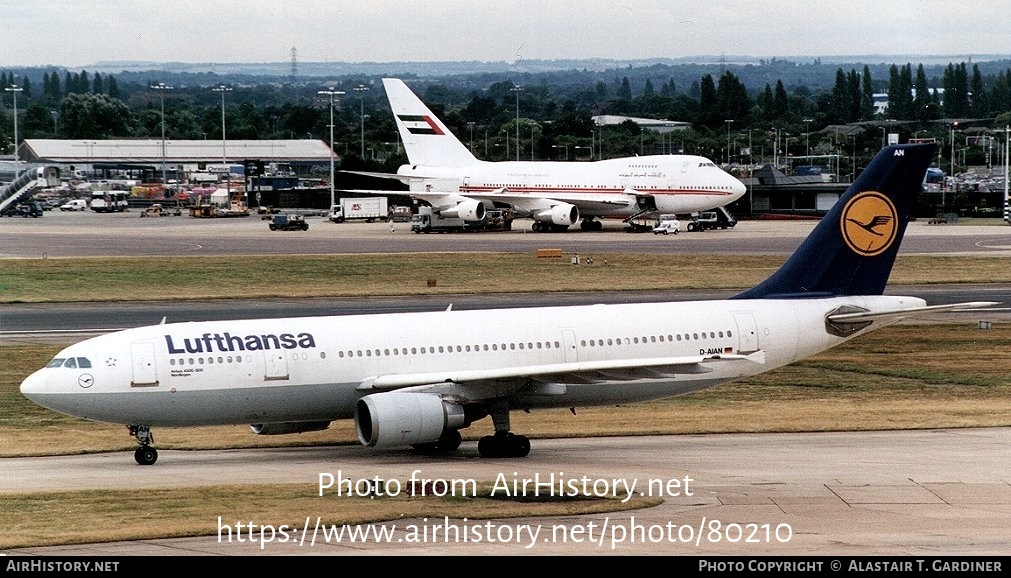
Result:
{"points": [[678, 183], [316, 368]]}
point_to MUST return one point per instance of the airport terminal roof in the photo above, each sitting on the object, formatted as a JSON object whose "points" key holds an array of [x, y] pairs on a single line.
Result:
{"points": [[176, 151]]}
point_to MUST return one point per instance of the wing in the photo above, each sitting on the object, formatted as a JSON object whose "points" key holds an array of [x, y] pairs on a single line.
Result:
{"points": [[406, 179], [587, 203], [548, 379]]}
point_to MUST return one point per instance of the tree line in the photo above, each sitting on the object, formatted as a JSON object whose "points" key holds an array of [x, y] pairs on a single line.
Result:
{"points": [[727, 117]]}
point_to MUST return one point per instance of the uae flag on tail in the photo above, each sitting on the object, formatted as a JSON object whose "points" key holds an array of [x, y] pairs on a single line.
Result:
{"points": [[420, 124]]}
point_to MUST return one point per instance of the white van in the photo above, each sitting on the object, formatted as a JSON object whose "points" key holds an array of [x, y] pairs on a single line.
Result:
{"points": [[75, 205]]}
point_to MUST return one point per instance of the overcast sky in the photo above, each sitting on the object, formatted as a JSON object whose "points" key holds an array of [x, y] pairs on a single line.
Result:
{"points": [[75, 33]]}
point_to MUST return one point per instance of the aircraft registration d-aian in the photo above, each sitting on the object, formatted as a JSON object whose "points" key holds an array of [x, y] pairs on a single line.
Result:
{"points": [[443, 172], [417, 379]]}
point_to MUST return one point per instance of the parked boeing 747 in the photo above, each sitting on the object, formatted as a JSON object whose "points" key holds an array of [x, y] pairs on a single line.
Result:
{"points": [[417, 379], [443, 172]]}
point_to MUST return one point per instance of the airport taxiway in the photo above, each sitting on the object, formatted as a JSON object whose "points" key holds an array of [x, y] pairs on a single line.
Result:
{"points": [[89, 234], [915, 493]]}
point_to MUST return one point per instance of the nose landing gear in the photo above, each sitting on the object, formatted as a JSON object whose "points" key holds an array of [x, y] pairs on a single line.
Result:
{"points": [[145, 454]]}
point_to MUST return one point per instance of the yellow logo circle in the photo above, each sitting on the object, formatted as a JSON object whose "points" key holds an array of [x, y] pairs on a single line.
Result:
{"points": [[869, 223]]}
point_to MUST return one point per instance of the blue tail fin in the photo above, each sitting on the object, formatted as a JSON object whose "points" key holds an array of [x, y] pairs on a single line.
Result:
{"points": [[852, 249]]}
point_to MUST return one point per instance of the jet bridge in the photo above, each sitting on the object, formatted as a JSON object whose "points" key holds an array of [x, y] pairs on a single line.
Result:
{"points": [[25, 184]]}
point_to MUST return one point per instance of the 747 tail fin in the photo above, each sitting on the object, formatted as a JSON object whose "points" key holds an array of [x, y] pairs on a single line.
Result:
{"points": [[853, 248], [426, 139]]}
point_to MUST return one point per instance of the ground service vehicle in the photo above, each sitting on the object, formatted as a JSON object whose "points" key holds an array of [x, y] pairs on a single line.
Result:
{"points": [[75, 205], [666, 225], [109, 201], [288, 223], [716, 219], [425, 221], [30, 209], [400, 214], [368, 209]]}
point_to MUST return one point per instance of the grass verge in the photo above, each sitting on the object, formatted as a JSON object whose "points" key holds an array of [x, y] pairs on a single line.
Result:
{"points": [[146, 278]]}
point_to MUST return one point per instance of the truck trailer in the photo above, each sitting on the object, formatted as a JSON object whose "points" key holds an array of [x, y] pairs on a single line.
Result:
{"points": [[368, 209]]}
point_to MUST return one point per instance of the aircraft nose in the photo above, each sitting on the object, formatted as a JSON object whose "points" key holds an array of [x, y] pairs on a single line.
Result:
{"points": [[33, 386], [739, 188]]}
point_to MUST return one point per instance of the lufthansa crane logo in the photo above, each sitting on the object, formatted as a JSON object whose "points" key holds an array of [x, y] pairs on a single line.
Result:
{"points": [[869, 223]]}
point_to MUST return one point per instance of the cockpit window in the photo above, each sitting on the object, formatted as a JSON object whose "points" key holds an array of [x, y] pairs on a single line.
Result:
{"points": [[83, 362], [56, 362], [71, 362]]}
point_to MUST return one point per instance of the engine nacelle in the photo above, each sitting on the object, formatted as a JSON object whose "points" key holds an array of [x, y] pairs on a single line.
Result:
{"points": [[288, 427], [467, 210], [561, 214], [394, 419]]}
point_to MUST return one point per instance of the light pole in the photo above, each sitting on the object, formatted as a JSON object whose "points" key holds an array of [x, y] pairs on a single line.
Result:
{"points": [[952, 174], [361, 89], [15, 89], [161, 87], [471, 126], [1007, 145], [953, 125], [330, 92], [221, 88], [517, 89], [807, 138], [729, 122]]}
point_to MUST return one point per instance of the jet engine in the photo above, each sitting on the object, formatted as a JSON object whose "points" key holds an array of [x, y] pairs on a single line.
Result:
{"points": [[403, 419], [562, 214], [467, 210], [288, 427]]}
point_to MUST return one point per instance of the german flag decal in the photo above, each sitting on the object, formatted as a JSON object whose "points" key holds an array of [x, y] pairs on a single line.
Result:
{"points": [[420, 124], [869, 223]]}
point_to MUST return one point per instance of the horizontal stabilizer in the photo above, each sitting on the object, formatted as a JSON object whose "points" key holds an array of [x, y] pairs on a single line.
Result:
{"points": [[863, 316], [406, 179]]}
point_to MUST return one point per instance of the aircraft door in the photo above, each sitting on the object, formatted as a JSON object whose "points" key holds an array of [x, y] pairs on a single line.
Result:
{"points": [[747, 332], [145, 372], [276, 366]]}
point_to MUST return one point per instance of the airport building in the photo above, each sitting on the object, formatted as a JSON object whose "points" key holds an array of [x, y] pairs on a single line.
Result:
{"points": [[148, 159]]}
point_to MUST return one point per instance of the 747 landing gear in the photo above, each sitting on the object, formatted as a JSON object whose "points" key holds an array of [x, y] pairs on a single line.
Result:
{"points": [[145, 454]]}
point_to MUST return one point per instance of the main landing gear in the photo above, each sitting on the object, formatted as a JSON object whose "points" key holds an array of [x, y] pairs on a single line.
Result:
{"points": [[145, 454], [504, 444], [449, 441]]}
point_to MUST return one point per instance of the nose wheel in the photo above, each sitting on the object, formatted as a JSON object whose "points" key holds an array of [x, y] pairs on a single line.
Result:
{"points": [[145, 454]]}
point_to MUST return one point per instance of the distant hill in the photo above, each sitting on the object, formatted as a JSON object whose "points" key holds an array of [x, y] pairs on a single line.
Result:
{"points": [[282, 70], [814, 73]]}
